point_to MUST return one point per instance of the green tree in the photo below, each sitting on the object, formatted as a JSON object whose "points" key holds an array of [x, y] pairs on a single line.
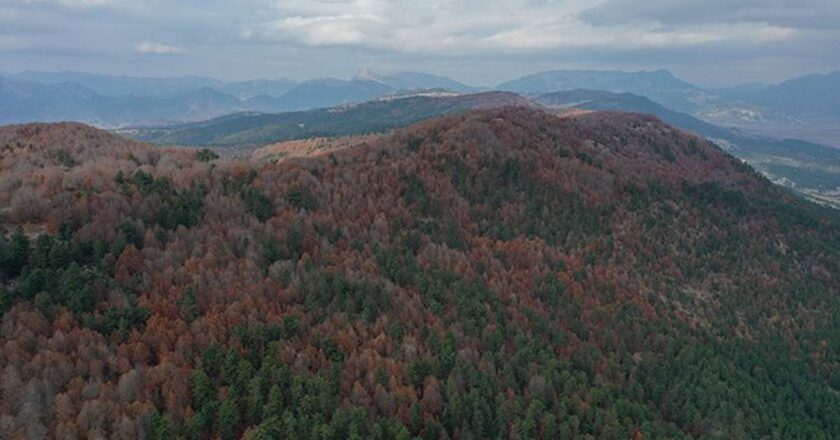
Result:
{"points": [[203, 390], [258, 204], [228, 420], [17, 255], [301, 198], [206, 155], [76, 291]]}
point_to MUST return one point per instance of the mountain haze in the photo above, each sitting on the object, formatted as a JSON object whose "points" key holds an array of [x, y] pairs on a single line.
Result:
{"points": [[804, 96], [802, 108], [660, 86], [119, 85], [118, 101]]}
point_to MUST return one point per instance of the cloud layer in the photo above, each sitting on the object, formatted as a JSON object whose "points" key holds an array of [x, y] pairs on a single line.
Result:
{"points": [[156, 48], [312, 38]]}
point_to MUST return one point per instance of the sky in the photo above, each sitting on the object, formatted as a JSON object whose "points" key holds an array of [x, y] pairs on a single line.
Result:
{"points": [[479, 42]]}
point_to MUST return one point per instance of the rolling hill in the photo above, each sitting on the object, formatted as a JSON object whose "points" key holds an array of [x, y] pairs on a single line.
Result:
{"points": [[811, 169], [369, 117], [501, 273]]}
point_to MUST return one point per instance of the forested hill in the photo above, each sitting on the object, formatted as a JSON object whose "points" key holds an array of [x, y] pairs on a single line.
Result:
{"points": [[376, 116], [504, 273]]}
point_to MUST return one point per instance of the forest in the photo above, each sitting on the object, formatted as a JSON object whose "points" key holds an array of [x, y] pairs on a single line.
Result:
{"points": [[498, 274]]}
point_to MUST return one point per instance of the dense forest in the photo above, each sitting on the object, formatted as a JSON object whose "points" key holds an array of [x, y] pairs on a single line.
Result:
{"points": [[499, 274]]}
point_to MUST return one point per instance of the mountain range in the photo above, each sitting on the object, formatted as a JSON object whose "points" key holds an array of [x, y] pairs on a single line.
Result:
{"points": [[802, 108], [660, 86], [375, 116], [118, 101], [804, 96]]}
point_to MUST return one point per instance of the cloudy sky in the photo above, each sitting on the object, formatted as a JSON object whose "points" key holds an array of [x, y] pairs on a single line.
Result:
{"points": [[482, 42]]}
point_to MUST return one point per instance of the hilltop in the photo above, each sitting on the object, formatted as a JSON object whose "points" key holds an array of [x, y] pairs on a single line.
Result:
{"points": [[499, 273], [72, 136], [810, 169]]}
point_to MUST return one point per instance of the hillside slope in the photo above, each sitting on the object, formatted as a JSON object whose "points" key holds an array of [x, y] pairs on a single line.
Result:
{"points": [[811, 169], [502, 273]]}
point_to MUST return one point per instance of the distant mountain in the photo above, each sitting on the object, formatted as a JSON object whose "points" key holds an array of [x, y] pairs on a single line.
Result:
{"points": [[328, 92], [599, 100], [660, 85], [803, 108], [419, 81], [116, 100], [811, 169], [366, 85], [811, 95], [369, 117], [25, 102], [259, 87], [120, 85]]}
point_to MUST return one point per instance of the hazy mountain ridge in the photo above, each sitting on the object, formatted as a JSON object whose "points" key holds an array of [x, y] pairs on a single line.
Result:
{"points": [[660, 86], [116, 101], [119, 85], [802, 101], [26, 102], [374, 116], [758, 109], [804, 96], [801, 108]]}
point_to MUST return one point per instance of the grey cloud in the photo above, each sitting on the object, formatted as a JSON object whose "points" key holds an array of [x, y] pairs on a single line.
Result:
{"points": [[798, 14], [476, 41]]}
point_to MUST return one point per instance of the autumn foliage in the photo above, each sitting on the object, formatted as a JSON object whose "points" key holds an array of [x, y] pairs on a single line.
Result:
{"points": [[500, 274]]}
